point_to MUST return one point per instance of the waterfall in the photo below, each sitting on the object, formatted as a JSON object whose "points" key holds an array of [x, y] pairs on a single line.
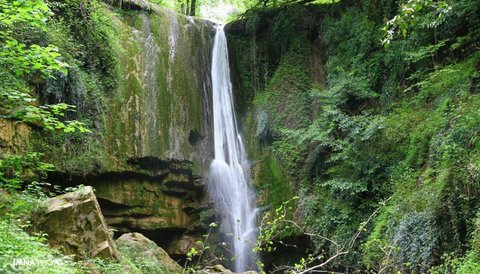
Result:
{"points": [[229, 181]]}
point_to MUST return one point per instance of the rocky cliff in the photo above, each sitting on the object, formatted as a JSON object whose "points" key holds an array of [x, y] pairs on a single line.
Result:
{"points": [[148, 104], [277, 58], [161, 107], [157, 128], [347, 123]]}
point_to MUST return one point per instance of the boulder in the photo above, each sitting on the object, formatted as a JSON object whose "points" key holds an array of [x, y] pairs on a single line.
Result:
{"points": [[183, 244], [146, 255], [75, 225]]}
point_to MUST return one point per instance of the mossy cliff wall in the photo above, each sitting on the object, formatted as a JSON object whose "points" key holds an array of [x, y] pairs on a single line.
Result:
{"points": [[332, 115], [276, 59], [157, 127], [161, 106], [141, 83]]}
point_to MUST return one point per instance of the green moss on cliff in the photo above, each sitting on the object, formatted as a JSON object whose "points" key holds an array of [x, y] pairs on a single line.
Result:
{"points": [[160, 99], [399, 122], [90, 53], [271, 184], [276, 81], [137, 79]]}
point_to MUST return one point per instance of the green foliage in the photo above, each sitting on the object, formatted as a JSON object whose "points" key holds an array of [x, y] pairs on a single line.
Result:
{"points": [[29, 60], [32, 12], [133, 261], [194, 260], [454, 264], [399, 120], [15, 169], [29, 253], [414, 13], [285, 106], [417, 241], [88, 42], [106, 266], [19, 205], [272, 228], [25, 252], [93, 34], [470, 264], [22, 252], [47, 116], [21, 61], [74, 153], [277, 3], [271, 180], [369, 151]]}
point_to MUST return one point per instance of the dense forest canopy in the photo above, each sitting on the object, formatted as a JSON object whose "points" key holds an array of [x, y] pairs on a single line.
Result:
{"points": [[361, 121]]}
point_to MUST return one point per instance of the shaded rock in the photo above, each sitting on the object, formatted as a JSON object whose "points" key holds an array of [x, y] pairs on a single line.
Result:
{"points": [[134, 204], [163, 209], [146, 255], [221, 269], [75, 225], [183, 244]]}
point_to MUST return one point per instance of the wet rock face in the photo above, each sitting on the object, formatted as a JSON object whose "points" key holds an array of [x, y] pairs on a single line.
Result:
{"points": [[161, 108], [75, 225]]}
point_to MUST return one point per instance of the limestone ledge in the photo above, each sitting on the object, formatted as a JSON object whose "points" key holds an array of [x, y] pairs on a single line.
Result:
{"points": [[165, 208]]}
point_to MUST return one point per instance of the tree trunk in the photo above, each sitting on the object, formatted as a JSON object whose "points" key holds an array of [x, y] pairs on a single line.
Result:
{"points": [[192, 8]]}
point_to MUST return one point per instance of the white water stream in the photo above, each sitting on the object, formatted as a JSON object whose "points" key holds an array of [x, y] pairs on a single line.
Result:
{"points": [[229, 180]]}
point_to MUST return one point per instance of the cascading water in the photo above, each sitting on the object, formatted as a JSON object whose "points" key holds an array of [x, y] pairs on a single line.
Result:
{"points": [[229, 181]]}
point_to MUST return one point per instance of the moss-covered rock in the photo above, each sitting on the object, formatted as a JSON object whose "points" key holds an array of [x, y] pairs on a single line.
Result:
{"points": [[276, 59], [146, 255], [146, 94]]}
